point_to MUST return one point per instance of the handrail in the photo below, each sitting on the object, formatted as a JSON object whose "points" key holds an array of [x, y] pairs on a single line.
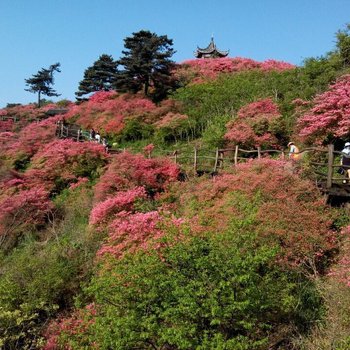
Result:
{"points": [[219, 158]]}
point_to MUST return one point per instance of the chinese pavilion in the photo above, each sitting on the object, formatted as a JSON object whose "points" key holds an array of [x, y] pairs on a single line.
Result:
{"points": [[211, 51]]}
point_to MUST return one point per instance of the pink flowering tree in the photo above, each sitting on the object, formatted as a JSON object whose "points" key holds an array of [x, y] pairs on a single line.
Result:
{"points": [[254, 125], [329, 118]]}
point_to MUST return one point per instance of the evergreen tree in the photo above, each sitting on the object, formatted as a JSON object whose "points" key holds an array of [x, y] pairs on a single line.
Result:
{"points": [[100, 76], [41, 82], [343, 45], [147, 64]]}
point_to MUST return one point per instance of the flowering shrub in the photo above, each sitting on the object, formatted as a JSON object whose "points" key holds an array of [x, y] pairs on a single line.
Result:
{"points": [[6, 141], [283, 210], [127, 171], [128, 232], [106, 111], [33, 137], [122, 201], [330, 115], [26, 114], [62, 330], [63, 162], [6, 125], [198, 69], [254, 124], [24, 210]]}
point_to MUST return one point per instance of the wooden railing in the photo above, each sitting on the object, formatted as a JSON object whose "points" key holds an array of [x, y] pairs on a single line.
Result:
{"points": [[323, 169], [9, 117]]}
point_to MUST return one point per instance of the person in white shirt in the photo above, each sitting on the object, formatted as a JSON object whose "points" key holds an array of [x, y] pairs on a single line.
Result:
{"points": [[98, 137], [345, 160], [293, 151]]}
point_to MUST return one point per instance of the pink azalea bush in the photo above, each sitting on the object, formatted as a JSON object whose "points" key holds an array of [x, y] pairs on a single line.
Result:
{"points": [[7, 139], [127, 171], [254, 124], [26, 209], [197, 70], [330, 115], [284, 209], [130, 231], [122, 201], [106, 111], [75, 324], [63, 162], [33, 137]]}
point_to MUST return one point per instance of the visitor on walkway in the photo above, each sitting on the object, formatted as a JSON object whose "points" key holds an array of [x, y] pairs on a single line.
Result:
{"points": [[92, 134], [293, 151], [345, 160], [105, 143], [98, 137]]}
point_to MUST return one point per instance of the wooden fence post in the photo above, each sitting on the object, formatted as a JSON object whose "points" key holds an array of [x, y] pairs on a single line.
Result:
{"points": [[330, 165], [283, 155], [195, 160], [221, 159], [216, 160], [175, 156], [236, 155], [259, 152]]}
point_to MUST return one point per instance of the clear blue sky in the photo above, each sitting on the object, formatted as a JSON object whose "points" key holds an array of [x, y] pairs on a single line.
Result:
{"points": [[38, 33]]}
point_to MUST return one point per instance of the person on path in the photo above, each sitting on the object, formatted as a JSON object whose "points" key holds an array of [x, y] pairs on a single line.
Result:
{"points": [[293, 151], [98, 137], [92, 134], [345, 160]]}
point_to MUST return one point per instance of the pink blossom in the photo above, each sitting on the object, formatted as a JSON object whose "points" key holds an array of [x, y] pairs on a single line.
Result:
{"points": [[123, 200]]}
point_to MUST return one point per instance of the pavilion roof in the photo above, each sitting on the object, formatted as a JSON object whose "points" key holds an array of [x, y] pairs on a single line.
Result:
{"points": [[211, 50]]}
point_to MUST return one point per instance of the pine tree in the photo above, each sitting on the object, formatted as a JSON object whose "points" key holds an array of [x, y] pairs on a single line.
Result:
{"points": [[147, 64], [100, 76], [41, 82]]}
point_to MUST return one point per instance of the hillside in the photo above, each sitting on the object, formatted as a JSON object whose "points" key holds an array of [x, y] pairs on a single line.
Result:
{"points": [[132, 250]]}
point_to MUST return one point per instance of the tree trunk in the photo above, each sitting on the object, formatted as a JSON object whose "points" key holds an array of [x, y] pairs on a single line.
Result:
{"points": [[39, 99], [146, 86]]}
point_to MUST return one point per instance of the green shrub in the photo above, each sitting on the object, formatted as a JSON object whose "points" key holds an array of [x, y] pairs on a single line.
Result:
{"points": [[219, 292], [40, 278]]}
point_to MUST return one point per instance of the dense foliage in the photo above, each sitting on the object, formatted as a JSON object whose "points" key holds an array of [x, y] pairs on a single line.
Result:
{"points": [[100, 76], [254, 125], [329, 118], [146, 64], [128, 250]]}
